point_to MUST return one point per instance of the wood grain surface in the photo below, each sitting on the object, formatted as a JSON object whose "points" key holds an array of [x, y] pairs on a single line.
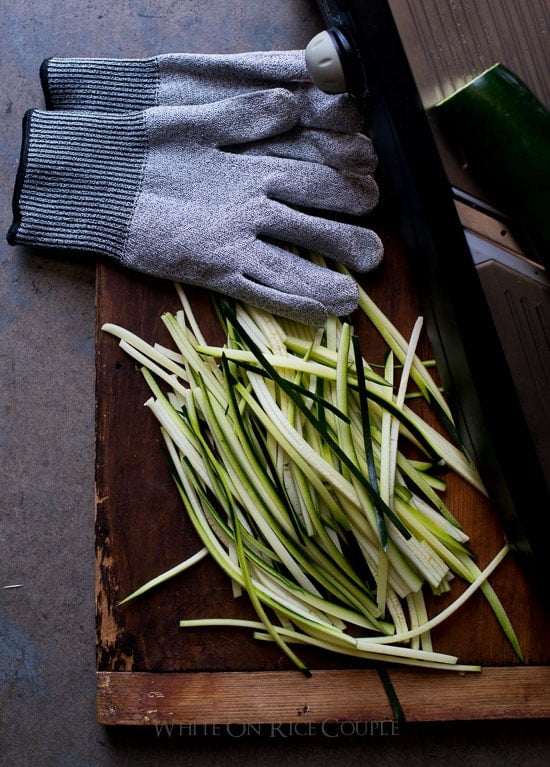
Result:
{"points": [[328, 698], [224, 674]]}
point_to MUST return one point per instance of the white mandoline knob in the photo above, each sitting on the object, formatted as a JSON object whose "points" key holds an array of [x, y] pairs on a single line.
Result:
{"points": [[323, 64]]}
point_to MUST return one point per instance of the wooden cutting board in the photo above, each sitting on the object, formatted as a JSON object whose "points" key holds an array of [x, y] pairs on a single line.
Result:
{"points": [[149, 671]]}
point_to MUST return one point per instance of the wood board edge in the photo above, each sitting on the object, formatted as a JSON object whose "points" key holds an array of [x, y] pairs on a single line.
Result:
{"points": [[329, 696]]}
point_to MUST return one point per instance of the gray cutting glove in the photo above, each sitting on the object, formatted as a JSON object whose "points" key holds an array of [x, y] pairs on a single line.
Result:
{"points": [[160, 191], [329, 125]]}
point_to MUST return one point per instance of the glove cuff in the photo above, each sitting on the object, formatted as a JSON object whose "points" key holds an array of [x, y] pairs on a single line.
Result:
{"points": [[78, 179], [100, 85]]}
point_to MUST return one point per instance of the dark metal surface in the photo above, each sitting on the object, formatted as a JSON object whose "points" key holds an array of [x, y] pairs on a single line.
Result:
{"points": [[448, 43]]}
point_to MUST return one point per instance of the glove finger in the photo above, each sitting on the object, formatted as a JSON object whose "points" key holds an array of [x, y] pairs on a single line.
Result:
{"points": [[355, 246], [195, 78], [345, 151], [327, 111], [250, 117], [277, 302], [291, 286], [316, 186]]}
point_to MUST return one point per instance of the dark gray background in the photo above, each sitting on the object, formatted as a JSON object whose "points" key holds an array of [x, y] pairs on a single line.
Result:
{"points": [[47, 666]]}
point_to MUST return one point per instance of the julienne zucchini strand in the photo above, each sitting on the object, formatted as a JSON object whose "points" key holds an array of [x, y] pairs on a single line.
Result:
{"points": [[290, 455]]}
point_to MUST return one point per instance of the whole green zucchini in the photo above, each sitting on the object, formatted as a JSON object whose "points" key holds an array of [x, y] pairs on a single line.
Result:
{"points": [[502, 131]]}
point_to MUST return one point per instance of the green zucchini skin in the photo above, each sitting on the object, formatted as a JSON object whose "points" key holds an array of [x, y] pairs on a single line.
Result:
{"points": [[502, 131]]}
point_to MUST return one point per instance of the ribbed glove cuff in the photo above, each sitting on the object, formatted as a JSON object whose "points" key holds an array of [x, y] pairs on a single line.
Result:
{"points": [[78, 179], [106, 85]]}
